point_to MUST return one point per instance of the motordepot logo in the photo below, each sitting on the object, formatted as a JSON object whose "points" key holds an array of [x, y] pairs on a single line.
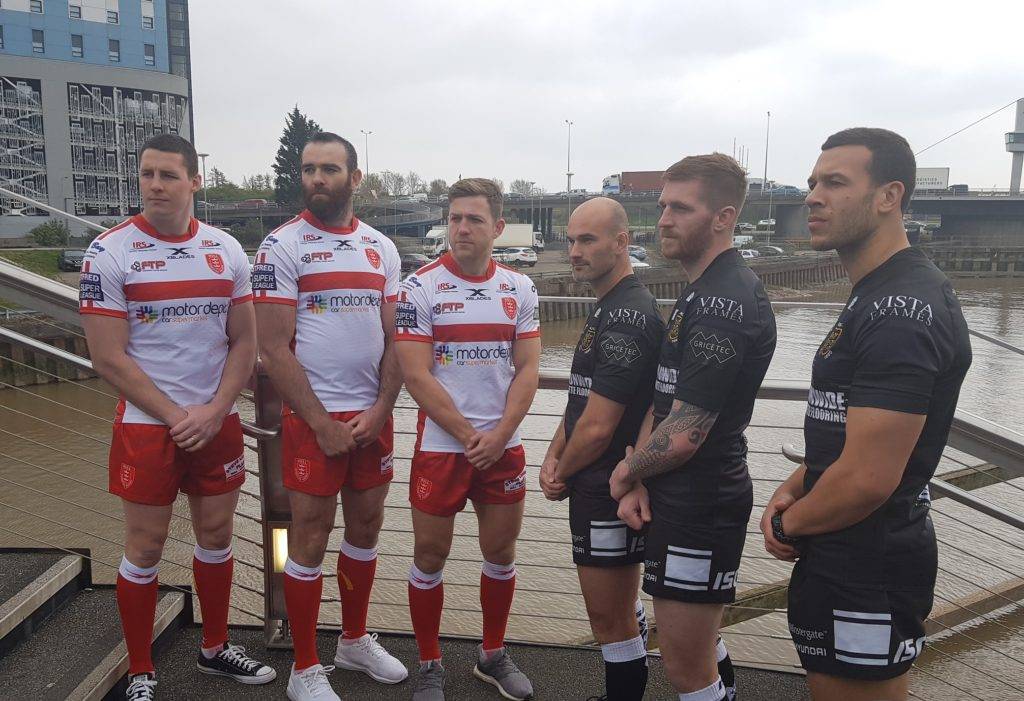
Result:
{"points": [[470, 356], [181, 313], [349, 302]]}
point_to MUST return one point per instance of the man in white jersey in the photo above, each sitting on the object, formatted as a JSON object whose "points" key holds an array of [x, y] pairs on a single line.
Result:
{"points": [[167, 311], [470, 355], [325, 286]]}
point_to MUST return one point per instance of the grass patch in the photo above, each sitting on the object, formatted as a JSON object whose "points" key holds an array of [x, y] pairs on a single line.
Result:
{"points": [[41, 262]]}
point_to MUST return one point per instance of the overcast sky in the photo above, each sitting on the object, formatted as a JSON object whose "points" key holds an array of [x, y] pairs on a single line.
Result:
{"points": [[483, 88]]}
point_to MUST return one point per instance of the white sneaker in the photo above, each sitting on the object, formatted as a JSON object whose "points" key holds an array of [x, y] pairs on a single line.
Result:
{"points": [[367, 655], [140, 688], [311, 684]]}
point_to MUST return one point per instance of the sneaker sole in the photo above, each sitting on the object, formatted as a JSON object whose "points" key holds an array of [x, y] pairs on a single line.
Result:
{"points": [[496, 684], [338, 662], [241, 680]]}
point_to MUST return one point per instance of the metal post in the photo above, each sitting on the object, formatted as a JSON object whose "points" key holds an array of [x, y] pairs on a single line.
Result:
{"points": [[568, 160], [206, 196], [366, 148], [767, 132]]}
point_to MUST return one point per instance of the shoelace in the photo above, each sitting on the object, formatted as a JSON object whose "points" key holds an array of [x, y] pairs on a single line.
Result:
{"points": [[235, 654], [501, 666], [141, 689], [430, 678], [315, 679], [371, 645]]}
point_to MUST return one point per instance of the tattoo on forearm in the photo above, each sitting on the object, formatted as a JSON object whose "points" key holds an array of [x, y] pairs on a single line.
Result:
{"points": [[690, 423]]}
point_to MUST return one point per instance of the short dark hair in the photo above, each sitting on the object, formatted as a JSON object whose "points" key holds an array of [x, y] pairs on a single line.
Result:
{"points": [[329, 137], [479, 187], [172, 143], [892, 160], [724, 181]]}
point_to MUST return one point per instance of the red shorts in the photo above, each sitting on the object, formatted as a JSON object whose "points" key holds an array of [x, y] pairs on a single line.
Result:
{"points": [[147, 467], [306, 469], [440, 483]]}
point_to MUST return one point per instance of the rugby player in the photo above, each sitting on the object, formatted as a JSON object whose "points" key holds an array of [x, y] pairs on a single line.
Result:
{"points": [[610, 387], [688, 476], [884, 388], [325, 286], [469, 343], [167, 311]]}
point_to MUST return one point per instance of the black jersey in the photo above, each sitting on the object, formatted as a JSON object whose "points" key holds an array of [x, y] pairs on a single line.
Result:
{"points": [[720, 341], [901, 343], [616, 358]]}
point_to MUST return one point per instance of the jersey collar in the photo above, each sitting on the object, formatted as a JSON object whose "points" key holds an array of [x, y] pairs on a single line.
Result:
{"points": [[449, 262], [312, 219], [143, 225]]}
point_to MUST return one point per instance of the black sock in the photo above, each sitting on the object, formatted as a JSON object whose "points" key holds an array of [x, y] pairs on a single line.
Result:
{"points": [[725, 671], [625, 681]]}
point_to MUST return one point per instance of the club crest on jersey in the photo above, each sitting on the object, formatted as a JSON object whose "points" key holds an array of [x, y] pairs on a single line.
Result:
{"points": [[510, 306], [587, 341], [215, 262], [127, 475], [373, 257], [423, 487], [301, 469], [673, 327], [830, 341]]}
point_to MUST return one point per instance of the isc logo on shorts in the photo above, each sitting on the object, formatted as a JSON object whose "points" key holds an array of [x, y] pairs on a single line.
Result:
{"points": [[301, 469], [127, 475], [234, 468], [387, 463], [517, 484]]}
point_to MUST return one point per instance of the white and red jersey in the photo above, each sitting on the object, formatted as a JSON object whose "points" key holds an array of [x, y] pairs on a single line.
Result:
{"points": [[175, 293], [472, 323], [337, 280]]}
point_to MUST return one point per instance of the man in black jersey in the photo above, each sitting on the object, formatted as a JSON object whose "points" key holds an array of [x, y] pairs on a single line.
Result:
{"points": [[884, 387], [609, 391], [690, 462]]}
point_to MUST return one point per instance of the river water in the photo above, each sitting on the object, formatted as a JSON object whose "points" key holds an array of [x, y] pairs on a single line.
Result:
{"points": [[53, 444]]}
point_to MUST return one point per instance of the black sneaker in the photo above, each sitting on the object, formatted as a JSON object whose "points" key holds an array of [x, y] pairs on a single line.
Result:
{"points": [[233, 662], [140, 687]]}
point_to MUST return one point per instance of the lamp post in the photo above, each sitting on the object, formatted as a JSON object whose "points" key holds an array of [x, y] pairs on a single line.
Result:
{"points": [[206, 197], [767, 133], [568, 175], [366, 149]]}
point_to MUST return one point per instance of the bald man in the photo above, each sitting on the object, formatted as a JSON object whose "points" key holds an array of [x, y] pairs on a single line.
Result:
{"points": [[610, 388]]}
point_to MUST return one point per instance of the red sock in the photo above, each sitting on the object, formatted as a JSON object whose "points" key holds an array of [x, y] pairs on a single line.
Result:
{"points": [[426, 599], [136, 601], [212, 570], [302, 589], [497, 587], [356, 568]]}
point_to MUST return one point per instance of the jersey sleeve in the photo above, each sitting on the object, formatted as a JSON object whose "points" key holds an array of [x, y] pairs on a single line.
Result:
{"points": [[242, 276], [710, 358], [413, 314], [275, 273], [897, 361], [101, 285], [625, 353], [528, 315], [392, 272]]}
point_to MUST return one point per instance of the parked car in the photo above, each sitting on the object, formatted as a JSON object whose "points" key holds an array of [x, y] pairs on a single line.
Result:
{"points": [[787, 191], [749, 253], [744, 227], [638, 252], [70, 260], [520, 256], [413, 261], [770, 251], [637, 263], [254, 202]]}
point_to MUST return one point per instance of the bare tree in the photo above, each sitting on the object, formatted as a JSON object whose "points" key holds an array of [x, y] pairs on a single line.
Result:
{"points": [[394, 183], [522, 187], [414, 183], [372, 186], [438, 187]]}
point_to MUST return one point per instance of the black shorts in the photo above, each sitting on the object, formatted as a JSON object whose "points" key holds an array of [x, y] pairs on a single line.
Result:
{"points": [[693, 552], [855, 632], [599, 537]]}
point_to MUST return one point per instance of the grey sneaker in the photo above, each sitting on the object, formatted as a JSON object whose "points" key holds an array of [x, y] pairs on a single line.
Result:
{"points": [[502, 672], [429, 682]]}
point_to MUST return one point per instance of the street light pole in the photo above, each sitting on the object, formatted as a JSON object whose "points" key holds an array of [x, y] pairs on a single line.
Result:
{"points": [[206, 197], [767, 132], [568, 159], [366, 149]]}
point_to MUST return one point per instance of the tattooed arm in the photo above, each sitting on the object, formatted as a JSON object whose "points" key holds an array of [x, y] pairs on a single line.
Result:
{"points": [[672, 443]]}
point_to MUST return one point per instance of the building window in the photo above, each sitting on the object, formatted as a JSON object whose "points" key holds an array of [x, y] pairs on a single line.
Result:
{"points": [[175, 12], [147, 22], [114, 50], [179, 65], [36, 6], [76, 45], [38, 46], [75, 11], [1, 36], [112, 17], [177, 37], [150, 55]]}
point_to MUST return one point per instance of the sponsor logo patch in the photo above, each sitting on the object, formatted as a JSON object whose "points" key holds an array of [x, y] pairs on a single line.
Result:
{"points": [[264, 276], [139, 245], [903, 307], [127, 475], [301, 469], [477, 293], [235, 468], [149, 266], [721, 307], [146, 314], [387, 463], [516, 484], [90, 287], [215, 262], [620, 350], [628, 316], [446, 287], [443, 355], [709, 346], [449, 308], [317, 257], [510, 306], [405, 315]]}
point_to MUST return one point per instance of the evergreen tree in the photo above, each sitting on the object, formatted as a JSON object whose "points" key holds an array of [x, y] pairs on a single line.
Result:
{"points": [[288, 164]]}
